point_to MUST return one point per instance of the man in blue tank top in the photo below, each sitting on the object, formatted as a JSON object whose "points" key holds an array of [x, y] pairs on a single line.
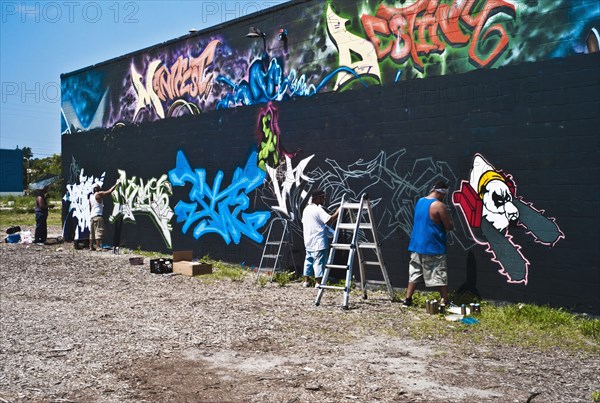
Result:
{"points": [[428, 243]]}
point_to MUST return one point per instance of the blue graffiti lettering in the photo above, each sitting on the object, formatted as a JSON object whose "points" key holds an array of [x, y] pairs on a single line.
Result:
{"points": [[220, 211], [272, 85]]}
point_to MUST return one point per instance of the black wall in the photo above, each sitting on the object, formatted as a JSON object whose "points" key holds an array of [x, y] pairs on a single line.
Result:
{"points": [[536, 121]]}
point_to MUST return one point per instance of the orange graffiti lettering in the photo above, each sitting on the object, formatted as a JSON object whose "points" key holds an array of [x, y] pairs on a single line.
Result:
{"points": [[186, 76], [427, 26]]}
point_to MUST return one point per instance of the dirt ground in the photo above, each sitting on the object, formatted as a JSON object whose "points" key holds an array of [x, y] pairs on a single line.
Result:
{"points": [[81, 326]]}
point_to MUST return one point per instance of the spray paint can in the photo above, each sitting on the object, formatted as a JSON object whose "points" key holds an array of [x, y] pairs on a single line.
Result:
{"points": [[427, 306], [463, 310], [472, 308], [434, 308], [477, 308], [443, 308]]}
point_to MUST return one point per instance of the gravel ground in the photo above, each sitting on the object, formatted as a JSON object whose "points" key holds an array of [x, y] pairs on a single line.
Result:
{"points": [[81, 326]]}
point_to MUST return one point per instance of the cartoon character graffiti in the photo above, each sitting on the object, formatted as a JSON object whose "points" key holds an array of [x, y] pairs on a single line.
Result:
{"points": [[489, 203]]}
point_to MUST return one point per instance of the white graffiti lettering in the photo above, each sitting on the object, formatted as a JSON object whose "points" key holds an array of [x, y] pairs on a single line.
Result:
{"points": [[348, 43], [77, 194], [133, 196], [145, 93], [292, 176]]}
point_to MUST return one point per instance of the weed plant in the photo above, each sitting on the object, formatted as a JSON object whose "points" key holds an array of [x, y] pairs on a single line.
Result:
{"points": [[283, 278], [262, 280]]}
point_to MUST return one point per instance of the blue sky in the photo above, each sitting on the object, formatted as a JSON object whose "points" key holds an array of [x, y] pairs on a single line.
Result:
{"points": [[41, 40]]}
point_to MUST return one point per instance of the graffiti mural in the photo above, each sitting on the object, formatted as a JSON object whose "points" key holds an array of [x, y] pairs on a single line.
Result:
{"points": [[77, 198], [491, 207], [287, 184], [133, 196], [401, 179], [348, 44], [212, 210], [427, 27], [335, 44], [188, 77]]}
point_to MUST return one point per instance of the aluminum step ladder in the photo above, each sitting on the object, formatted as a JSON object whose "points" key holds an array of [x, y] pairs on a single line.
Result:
{"points": [[278, 241], [364, 244]]}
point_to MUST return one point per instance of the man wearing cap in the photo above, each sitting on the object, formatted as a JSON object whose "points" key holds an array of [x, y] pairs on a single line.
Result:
{"points": [[314, 228], [428, 243], [96, 209]]}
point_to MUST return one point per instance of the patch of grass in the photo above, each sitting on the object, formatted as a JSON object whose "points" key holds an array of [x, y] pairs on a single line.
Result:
{"points": [[147, 253], [19, 210], [523, 325], [596, 396], [224, 271], [590, 328], [283, 278]]}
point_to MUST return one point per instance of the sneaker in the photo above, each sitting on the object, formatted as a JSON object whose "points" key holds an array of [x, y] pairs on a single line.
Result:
{"points": [[305, 284], [407, 302], [317, 285]]}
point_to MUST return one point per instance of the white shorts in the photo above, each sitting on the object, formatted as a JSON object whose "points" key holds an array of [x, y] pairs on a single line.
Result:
{"points": [[314, 263], [429, 268]]}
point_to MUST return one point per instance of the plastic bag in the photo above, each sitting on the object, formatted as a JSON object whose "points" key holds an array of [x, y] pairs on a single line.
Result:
{"points": [[26, 237]]}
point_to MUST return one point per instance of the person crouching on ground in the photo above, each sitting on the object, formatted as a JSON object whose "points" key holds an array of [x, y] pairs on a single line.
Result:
{"points": [[428, 243], [97, 208], [316, 242]]}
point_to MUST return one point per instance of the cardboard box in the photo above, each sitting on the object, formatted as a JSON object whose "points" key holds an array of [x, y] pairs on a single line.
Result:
{"points": [[182, 264]]}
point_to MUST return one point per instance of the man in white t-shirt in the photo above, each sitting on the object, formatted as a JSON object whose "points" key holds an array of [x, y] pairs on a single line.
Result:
{"points": [[96, 211], [316, 242]]}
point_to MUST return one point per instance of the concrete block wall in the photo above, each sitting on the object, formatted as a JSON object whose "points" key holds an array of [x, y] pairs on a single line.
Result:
{"points": [[197, 172], [510, 116]]}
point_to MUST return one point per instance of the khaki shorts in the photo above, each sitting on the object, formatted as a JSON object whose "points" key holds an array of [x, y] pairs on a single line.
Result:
{"points": [[97, 230], [429, 268]]}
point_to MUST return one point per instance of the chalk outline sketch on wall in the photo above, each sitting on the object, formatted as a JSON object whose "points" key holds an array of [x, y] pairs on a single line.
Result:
{"points": [[490, 206], [406, 179]]}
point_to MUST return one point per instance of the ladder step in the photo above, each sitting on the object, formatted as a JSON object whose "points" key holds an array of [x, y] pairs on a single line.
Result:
{"points": [[331, 287], [378, 282], [353, 206], [364, 225], [271, 256], [372, 263], [367, 245], [337, 266], [276, 243], [342, 246]]}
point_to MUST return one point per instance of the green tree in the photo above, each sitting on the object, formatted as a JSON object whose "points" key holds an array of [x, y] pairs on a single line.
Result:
{"points": [[27, 154], [40, 167]]}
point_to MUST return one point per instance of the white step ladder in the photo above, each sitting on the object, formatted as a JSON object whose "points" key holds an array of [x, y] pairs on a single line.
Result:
{"points": [[277, 242], [363, 243]]}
